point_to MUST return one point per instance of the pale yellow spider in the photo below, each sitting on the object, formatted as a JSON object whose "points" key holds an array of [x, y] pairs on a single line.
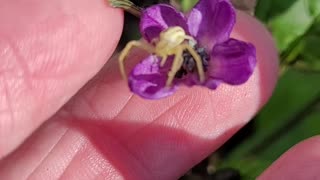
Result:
{"points": [[171, 42]]}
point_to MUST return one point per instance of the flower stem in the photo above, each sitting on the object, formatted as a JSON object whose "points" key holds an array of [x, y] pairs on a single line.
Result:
{"points": [[128, 6]]}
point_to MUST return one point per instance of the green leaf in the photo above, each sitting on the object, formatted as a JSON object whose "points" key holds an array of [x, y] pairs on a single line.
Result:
{"points": [[186, 5], [267, 10], [309, 55], [294, 22], [314, 7], [307, 128], [288, 118], [295, 27], [249, 167]]}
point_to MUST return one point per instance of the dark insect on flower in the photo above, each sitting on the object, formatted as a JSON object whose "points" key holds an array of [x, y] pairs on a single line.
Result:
{"points": [[192, 50], [189, 64]]}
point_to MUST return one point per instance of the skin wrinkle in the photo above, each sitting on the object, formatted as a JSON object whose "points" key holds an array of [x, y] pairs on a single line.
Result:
{"points": [[74, 157], [193, 102], [211, 103], [153, 172], [95, 166], [165, 109], [141, 129], [46, 156], [91, 170], [20, 58], [21, 61], [23, 154], [5, 121], [205, 111], [52, 31], [5, 102], [90, 107], [118, 141], [64, 135], [138, 98], [119, 144], [124, 106], [156, 118], [159, 165], [26, 76], [123, 144], [174, 121], [75, 148], [86, 98], [93, 90], [10, 50]]}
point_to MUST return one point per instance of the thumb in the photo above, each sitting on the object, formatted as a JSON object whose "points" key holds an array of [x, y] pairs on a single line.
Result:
{"points": [[48, 51], [300, 162]]}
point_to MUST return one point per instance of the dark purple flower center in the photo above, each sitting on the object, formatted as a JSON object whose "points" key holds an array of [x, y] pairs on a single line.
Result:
{"points": [[189, 64]]}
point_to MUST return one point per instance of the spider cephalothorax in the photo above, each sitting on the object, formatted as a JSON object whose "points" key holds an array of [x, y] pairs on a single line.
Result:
{"points": [[172, 41]]}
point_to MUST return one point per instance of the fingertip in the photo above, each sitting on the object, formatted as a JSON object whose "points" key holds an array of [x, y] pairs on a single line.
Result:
{"points": [[104, 23], [51, 49], [300, 162], [115, 20], [249, 29]]}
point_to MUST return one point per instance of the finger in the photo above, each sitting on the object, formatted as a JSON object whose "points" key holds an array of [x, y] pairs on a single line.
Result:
{"points": [[106, 132], [48, 50], [300, 162]]}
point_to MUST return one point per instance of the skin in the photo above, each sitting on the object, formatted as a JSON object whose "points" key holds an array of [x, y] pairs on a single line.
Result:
{"points": [[65, 112]]}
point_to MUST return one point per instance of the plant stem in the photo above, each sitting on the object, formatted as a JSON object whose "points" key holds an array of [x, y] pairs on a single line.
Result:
{"points": [[128, 6]]}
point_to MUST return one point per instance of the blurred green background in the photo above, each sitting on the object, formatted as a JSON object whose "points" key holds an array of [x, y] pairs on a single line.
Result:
{"points": [[293, 113]]}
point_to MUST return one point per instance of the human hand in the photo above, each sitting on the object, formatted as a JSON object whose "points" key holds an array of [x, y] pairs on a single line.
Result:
{"points": [[49, 50]]}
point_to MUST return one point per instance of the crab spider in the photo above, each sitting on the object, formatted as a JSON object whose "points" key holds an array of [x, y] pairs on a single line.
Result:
{"points": [[171, 42]]}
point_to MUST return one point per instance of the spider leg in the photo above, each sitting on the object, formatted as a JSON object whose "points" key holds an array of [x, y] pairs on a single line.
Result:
{"points": [[126, 51], [163, 60], [198, 61], [176, 65], [190, 38]]}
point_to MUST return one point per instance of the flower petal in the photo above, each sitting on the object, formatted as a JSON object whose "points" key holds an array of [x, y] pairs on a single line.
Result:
{"points": [[192, 79], [148, 80], [211, 21], [159, 17], [232, 62]]}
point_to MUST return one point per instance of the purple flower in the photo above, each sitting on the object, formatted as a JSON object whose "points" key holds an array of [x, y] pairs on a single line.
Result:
{"points": [[210, 22]]}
